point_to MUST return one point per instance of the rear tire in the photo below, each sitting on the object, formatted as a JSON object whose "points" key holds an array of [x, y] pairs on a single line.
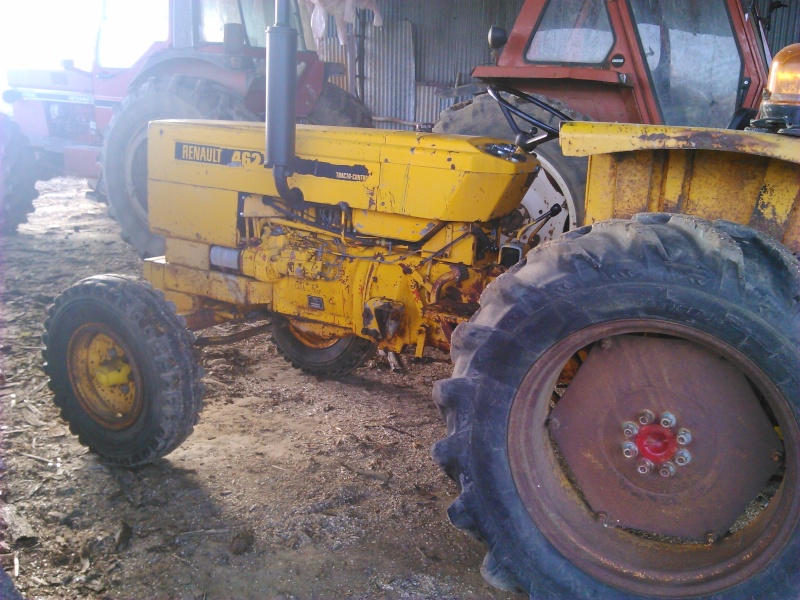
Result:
{"points": [[673, 288], [122, 369], [564, 177], [318, 356], [125, 151], [17, 176], [335, 106]]}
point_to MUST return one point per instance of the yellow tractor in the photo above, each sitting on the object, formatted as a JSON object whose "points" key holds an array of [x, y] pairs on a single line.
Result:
{"points": [[623, 413]]}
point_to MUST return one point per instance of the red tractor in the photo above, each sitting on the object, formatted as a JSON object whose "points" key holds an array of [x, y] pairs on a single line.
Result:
{"points": [[671, 62], [161, 59]]}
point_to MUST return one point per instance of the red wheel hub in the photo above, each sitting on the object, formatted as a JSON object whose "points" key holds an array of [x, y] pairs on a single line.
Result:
{"points": [[656, 443], [644, 394]]}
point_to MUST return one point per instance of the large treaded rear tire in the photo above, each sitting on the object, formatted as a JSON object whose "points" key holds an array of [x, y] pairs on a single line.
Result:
{"points": [[721, 286], [563, 176], [125, 150], [17, 176], [109, 322]]}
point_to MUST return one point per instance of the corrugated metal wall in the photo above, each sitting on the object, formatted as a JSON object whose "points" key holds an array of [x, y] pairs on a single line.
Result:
{"points": [[389, 72], [449, 38], [450, 35], [444, 39], [428, 46], [784, 23]]}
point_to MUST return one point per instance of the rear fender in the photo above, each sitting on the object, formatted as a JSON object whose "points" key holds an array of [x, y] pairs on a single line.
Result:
{"points": [[741, 176], [201, 66]]}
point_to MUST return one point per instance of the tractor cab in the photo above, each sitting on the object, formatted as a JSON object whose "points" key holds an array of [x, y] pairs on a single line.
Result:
{"points": [[673, 63]]}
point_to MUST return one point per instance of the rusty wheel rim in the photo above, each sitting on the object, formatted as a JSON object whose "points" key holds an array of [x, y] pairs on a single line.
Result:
{"points": [[649, 560], [310, 338], [105, 376]]}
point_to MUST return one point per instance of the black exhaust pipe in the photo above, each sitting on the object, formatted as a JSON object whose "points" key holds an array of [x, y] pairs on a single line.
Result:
{"points": [[281, 91]]}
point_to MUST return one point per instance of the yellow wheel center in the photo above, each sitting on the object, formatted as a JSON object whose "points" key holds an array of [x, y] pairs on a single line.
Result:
{"points": [[105, 376]]}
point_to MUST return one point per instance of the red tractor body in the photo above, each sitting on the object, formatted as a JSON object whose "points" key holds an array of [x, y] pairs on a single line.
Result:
{"points": [[637, 61], [64, 113]]}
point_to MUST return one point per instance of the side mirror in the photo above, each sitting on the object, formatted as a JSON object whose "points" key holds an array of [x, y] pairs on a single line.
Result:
{"points": [[498, 37], [233, 40]]}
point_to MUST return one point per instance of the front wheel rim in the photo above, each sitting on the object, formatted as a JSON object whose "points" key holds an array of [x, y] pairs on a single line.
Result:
{"points": [[310, 338], [622, 557], [105, 376]]}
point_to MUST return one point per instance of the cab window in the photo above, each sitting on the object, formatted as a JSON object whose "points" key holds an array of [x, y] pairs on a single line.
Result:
{"points": [[693, 59], [128, 29], [572, 32], [256, 15]]}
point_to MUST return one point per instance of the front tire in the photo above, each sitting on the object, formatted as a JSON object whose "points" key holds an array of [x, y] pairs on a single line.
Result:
{"points": [[317, 355], [122, 369], [17, 176], [697, 324]]}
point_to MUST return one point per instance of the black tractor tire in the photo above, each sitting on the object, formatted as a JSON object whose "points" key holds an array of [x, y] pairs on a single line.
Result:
{"points": [[565, 174], [125, 149], [110, 324], [17, 176], [335, 106], [719, 289], [333, 358], [7, 589]]}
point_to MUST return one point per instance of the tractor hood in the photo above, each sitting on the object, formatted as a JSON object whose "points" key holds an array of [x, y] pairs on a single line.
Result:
{"points": [[428, 177]]}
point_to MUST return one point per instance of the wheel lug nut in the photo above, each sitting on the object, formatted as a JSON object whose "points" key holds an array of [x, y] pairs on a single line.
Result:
{"points": [[668, 420], [667, 469], [644, 466], [646, 417], [711, 537], [629, 429], [629, 450], [777, 456], [684, 437], [682, 457]]}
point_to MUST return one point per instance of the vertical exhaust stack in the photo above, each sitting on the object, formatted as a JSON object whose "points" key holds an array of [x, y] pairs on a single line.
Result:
{"points": [[281, 90]]}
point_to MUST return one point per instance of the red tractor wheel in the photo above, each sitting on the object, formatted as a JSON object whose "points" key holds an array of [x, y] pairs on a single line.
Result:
{"points": [[17, 176], [125, 152]]}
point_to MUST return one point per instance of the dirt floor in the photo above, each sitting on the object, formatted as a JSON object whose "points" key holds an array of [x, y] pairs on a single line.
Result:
{"points": [[290, 487]]}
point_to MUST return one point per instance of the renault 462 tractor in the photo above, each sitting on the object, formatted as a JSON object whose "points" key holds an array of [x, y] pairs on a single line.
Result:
{"points": [[623, 416], [153, 60]]}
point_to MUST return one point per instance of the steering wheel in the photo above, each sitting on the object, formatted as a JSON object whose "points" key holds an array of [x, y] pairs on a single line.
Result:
{"points": [[539, 132]]}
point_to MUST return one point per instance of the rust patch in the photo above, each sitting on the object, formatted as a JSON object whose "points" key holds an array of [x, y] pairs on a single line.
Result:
{"points": [[765, 218], [450, 310], [202, 319], [675, 382]]}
